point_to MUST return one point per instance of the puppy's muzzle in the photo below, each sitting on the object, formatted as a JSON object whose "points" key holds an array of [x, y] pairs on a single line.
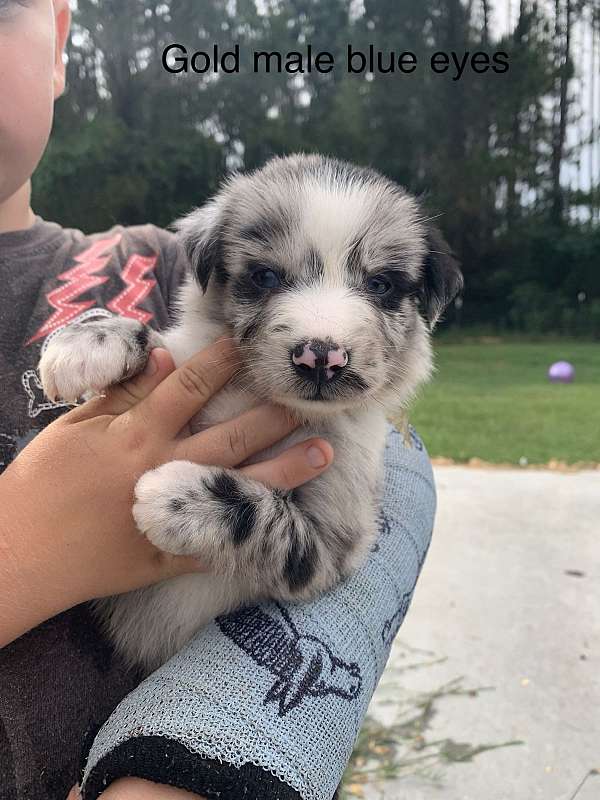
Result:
{"points": [[319, 362]]}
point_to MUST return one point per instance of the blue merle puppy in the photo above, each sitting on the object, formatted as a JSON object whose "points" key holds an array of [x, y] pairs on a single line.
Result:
{"points": [[329, 279]]}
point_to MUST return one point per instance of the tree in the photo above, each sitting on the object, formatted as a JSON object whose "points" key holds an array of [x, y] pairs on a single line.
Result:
{"points": [[565, 70], [133, 143]]}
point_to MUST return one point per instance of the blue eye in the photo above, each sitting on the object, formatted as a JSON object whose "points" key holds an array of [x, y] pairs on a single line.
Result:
{"points": [[379, 285], [266, 279]]}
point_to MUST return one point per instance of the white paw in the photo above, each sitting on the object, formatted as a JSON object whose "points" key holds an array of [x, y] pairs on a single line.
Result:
{"points": [[171, 506], [89, 357]]}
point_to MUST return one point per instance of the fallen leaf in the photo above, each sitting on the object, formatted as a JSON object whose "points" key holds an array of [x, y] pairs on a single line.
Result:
{"points": [[356, 789]]}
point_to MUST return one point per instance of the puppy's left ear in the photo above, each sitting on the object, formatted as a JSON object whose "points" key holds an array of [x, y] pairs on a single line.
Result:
{"points": [[200, 233], [442, 278]]}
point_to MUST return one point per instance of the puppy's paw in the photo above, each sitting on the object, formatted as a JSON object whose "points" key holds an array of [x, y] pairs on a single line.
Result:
{"points": [[89, 357], [191, 509], [172, 507]]}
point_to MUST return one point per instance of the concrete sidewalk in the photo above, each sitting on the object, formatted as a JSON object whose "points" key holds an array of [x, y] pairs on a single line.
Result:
{"points": [[492, 691]]}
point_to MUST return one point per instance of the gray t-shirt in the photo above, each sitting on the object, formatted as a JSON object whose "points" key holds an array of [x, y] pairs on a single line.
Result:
{"points": [[60, 681]]}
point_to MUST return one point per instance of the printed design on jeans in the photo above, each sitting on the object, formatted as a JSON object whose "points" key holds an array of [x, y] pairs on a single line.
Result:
{"points": [[304, 666], [83, 277], [392, 625], [384, 527], [416, 439]]}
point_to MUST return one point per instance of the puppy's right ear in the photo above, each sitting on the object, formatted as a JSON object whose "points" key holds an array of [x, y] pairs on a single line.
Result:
{"points": [[200, 233], [442, 278]]}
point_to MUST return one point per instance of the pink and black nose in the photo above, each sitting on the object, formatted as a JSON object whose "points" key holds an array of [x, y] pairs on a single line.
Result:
{"points": [[318, 361]]}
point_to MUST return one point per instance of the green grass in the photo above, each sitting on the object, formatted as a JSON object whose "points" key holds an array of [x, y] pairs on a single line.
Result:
{"points": [[493, 401]]}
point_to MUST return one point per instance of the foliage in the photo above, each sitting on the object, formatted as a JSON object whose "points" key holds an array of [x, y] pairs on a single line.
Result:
{"points": [[133, 143], [105, 173]]}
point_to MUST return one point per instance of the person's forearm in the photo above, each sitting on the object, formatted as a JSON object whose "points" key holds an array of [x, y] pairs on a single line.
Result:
{"points": [[29, 593]]}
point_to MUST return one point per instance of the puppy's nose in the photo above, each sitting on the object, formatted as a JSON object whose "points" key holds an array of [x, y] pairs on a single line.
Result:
{"points": [[319, 361]]}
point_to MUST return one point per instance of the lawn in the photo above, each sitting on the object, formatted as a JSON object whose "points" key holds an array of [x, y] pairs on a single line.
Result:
{"points": [[493, 401]]}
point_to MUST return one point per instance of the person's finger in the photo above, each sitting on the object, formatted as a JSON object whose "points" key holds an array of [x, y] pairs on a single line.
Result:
{"points": [[231, 443], [293, 467], [74, 794], [183, 393], [141, 789], [121, 397]]}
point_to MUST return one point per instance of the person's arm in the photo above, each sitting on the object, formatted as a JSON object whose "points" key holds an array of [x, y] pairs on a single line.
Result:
{"points": [[67, 532]]}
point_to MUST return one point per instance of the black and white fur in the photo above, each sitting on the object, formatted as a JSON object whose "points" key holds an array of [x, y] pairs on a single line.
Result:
{"points": [[334, 235]]}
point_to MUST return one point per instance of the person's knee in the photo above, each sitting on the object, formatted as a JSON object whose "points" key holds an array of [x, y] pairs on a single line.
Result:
{"points": [[139, 789]]}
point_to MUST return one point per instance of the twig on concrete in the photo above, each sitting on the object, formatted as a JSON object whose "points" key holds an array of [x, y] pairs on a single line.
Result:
{"points": [[583, 782]]}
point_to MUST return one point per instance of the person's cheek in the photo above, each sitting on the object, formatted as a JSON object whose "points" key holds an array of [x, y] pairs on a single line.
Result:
{"points": [[26, 95]]}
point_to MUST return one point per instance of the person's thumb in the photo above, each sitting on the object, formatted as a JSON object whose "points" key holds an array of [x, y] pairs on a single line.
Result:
{"points": [[123, 396]]}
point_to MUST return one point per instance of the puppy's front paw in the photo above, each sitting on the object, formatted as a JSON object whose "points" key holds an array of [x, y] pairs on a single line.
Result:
{"points": [[91, 356], [191, 509], [171, 504]]}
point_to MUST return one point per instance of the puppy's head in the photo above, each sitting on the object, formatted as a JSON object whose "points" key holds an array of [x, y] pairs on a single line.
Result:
{"points": [[329, 277]]}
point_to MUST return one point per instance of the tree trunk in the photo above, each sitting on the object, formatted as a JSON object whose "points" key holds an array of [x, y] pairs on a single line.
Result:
{"points": [[558, 199], [488, 186], [513, 202], [486, 21]]}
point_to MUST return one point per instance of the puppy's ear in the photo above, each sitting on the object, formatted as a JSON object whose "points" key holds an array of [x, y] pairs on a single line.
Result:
{"points": [[442, 278], [200, 233]]}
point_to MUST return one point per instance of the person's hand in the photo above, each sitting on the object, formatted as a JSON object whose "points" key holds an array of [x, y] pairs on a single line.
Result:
{"points": [[139, 789], [67, 532]]}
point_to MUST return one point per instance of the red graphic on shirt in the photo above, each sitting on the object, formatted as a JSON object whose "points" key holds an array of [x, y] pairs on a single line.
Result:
{"points": [[137, 288], [79, 280], [83, 277]]}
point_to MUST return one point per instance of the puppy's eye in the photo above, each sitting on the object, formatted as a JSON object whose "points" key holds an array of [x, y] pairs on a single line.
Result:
{"points": [[379, 285], [266, 278]]}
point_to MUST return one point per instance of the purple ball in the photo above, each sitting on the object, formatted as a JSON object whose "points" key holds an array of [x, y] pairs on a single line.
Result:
{"points": [[561, 372]]}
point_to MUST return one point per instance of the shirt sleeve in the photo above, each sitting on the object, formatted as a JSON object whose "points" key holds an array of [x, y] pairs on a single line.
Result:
{"points": [[267, 702]]}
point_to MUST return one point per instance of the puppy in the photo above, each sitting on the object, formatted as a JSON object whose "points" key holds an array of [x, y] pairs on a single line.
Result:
{"points": [[329, 279]]}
